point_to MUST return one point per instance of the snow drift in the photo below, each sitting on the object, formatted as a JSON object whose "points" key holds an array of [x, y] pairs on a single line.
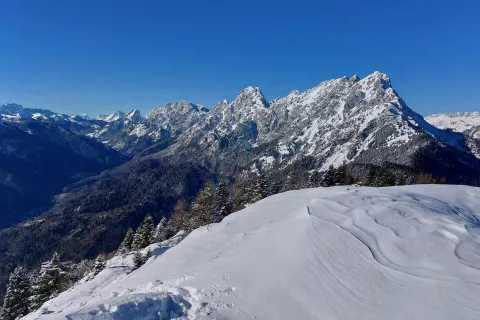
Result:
{"points": [[408, 252]]}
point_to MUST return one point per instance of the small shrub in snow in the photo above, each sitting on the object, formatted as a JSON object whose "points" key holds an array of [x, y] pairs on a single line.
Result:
{"points": [[99, 265]]}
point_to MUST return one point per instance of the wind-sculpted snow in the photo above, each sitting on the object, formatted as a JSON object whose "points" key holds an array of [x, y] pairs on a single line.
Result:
{"points": [[338, 253]]}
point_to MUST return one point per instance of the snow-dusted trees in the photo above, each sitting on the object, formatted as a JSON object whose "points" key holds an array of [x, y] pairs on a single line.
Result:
{"points": [[178, 220], [222, 204], [379, 177], [260, 189], [161, 231], [242, 195], [51, 280], [329, 177], [99, 265], [15, 304], [126, 245], [138, 260], [295, 180], [336, 176], [201, 210], [314, 179], [144, 234]]}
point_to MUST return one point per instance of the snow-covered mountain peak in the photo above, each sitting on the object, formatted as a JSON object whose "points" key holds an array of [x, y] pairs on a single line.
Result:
{"points": [[250, 97], [111, 117], [11, 108], [467, 123], [375, 80], [219, 106], [355, 78], [134, 115], [457, 121], [83, 116], [180, 107]]}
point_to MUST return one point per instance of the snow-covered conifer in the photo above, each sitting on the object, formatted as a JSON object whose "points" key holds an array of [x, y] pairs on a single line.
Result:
{"points": [[161, 231], [201, 212], [329, 177], [222, 204], [126, 245], [15, 303], [314, 179], [260, 189], [49, 283], [138, 260], [144, 234]]}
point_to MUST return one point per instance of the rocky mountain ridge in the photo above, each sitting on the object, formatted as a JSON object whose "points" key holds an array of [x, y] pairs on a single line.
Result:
{"points": [[467, 123]]}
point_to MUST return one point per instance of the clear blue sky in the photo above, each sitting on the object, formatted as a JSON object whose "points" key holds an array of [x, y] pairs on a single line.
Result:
{"points": [[98, 56]]}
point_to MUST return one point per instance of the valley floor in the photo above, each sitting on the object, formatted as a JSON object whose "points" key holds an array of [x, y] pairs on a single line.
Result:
{"points": [[348, 252]]}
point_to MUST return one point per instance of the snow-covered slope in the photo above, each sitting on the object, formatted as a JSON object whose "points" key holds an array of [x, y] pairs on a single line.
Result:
{"points": [[467, 123], [457, 121], [339, 253], [111, 117]]}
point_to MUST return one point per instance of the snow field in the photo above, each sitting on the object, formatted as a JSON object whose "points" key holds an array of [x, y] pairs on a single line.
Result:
{"points": [[347, 252]]}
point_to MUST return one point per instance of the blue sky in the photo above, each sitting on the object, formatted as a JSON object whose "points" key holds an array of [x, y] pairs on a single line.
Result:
{"points": [[99, 56]]}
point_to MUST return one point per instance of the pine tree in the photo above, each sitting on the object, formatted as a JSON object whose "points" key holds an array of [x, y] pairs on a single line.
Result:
{"points": [[126, 245], [98, 266], [329, 178], [275, 188], [178, 220], [340, 175], [243, 197], [295, 180], [138, 260], [138, 243], [260, 189], [201, 212], [148, 230], [314, 179], [49, 283], [144, 234], [15, 303], [161, 231], [222, 205]]}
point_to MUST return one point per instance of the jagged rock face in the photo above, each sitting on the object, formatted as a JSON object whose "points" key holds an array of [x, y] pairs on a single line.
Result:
{"points": [[340, 121], [133, 134], [467, 123]]}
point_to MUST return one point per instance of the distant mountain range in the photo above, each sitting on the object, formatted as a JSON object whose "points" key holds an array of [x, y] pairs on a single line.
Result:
{"points": [[467, 123], [171, 152], [40, 153]]}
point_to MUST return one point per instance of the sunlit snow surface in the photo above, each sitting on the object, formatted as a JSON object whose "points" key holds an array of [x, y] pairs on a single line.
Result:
{"points": [[457, 121], [338, 253]]}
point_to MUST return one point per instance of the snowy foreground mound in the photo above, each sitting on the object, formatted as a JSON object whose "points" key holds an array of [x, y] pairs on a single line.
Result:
{"points": [[339, 253]]}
